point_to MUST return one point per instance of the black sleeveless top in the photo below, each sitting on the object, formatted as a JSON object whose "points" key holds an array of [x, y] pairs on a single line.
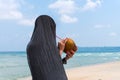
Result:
{"points": [[43, 56]]}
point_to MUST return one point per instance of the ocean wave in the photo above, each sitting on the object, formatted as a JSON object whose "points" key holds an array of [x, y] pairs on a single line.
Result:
{"points": [[105, 54], [117, 58], [83, 54], [105, 58], [109, 54], [118, 54], [9, 66], [25, 78]]}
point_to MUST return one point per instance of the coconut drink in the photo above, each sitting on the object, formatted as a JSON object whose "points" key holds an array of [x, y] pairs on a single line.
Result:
{"points": [[70, 45]]}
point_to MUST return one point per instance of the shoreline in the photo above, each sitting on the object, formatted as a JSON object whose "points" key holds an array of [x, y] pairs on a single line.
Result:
{"points": [[104, 71]]}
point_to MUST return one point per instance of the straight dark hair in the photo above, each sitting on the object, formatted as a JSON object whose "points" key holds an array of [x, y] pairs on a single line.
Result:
{"points": [[43, 56]]}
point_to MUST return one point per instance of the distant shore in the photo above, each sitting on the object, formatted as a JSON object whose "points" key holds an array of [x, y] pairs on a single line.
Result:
{"points": [[105, 71]]}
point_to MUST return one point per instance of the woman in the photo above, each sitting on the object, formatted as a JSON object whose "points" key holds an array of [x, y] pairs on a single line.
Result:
{"points": [[43, 56]]}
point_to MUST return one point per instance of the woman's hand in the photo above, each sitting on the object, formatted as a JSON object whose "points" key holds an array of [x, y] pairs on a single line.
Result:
{"points": [[69, 54], [61, 45]]}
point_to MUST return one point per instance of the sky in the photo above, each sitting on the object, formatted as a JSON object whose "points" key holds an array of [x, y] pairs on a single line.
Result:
{"points": [[90, 23]]}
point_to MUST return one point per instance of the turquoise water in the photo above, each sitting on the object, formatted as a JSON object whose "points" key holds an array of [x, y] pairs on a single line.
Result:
{"points": [[13, 65], [85, 59]]}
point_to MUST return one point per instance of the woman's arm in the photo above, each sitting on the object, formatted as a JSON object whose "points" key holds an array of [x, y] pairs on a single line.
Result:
{"points": [[61, 45], [69, 54]]}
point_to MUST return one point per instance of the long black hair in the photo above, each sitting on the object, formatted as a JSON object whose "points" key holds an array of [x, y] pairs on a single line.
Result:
{"points": [[43, 56]]}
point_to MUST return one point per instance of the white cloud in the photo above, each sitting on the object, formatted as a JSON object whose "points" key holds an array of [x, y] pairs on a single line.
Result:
{"points": [[9, 10], [65, 8], [68, 19], [68, 8], [99, 26], [27, 22], [113, 34], [92, 4]]}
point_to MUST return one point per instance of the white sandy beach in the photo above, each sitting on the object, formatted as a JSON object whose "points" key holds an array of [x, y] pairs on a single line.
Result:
{"points": [[106, 71]]}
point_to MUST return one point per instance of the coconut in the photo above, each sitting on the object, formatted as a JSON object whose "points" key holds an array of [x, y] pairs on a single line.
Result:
{"points": [[70, 45]]}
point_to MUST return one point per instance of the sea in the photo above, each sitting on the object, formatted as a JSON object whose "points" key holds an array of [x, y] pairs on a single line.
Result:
{"points": [[14, 66]]}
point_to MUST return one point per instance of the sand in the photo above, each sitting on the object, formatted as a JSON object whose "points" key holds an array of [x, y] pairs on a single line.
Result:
{"points": [[106, 71]]}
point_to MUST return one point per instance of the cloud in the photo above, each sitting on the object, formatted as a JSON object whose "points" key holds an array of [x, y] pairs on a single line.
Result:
{"points": [[68, 19], [68, 8], [65, 8], [113, 34], [27, 22], [10, 10], [92, 4], [100, 26]]}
